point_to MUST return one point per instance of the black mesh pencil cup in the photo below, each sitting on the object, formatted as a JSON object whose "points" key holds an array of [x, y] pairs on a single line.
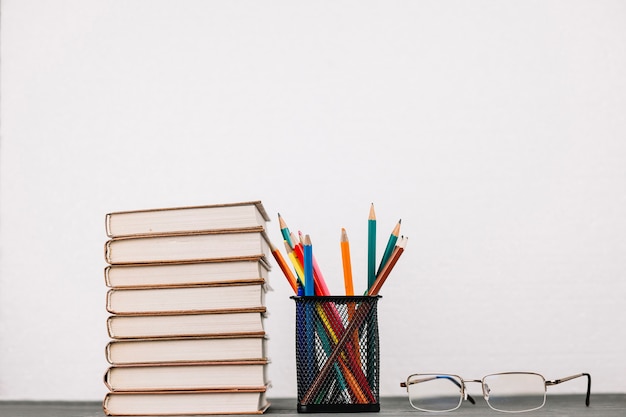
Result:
{"points": [[337, 354]]}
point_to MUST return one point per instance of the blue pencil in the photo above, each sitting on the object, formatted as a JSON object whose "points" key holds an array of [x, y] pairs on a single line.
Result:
{"points": [[309, 286]]}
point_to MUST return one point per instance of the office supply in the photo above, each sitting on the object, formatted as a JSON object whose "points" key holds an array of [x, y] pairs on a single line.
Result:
{"points": [[347, 388], [382, 276], [320, 283], [296, 264], [371, 247], [284, 230], [284, 268], [308, 267], [362, 311], [391, 243], [346, 263], [336, 346], [192, 219]]}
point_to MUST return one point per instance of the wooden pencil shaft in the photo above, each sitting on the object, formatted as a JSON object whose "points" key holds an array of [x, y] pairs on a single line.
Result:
{"points": [[371, 246], [284, 267]]}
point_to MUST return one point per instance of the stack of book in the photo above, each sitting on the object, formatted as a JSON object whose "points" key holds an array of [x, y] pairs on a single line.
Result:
{"points": [[186, 300]]}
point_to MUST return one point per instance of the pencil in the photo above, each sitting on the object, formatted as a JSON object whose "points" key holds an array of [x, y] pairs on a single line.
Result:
{"points": [[345, 260], [284, 230], [284, 267], [308, 267], [371, 247], [296, 264], [382, 277], [320, 282], [391, 243], [347, 275], [295, 241]]}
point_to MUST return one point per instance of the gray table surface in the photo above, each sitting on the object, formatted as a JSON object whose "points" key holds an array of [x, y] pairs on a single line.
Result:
{"points": [[602, 405]]}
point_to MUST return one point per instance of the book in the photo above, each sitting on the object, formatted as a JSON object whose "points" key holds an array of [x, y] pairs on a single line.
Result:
{"points": [[186, 274], [195, 219], [136, 351], [186, 325], [196, 376], [232, 401], [186, 299], [248, 244]]}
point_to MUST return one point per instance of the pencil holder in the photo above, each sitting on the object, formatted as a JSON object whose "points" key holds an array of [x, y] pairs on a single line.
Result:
{"points": [[337, 354]]}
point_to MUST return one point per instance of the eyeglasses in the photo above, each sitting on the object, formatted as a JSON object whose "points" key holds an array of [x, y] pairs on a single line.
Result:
{"points": [[510, 392]]}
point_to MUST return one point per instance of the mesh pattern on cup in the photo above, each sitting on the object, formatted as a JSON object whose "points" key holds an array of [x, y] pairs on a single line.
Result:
{"points": [[352, 376]]}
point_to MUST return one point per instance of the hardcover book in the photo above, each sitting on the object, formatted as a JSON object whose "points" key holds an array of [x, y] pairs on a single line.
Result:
{"points": [[194, 219], [230, 401], [186, 299], [194, 349], [186, 274], [248, 244], [186, 325], [187, 307], [197, 376]]}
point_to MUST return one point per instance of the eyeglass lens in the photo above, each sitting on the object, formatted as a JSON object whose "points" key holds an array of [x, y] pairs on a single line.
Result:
{"points": [[515, 391], [509, 392], [435, 392]]}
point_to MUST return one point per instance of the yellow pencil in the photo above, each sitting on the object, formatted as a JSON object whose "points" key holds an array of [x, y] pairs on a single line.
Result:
{"points": [[295, 262]]}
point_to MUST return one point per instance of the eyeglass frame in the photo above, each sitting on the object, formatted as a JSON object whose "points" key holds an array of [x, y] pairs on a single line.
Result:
{"points": [[464, 395]]}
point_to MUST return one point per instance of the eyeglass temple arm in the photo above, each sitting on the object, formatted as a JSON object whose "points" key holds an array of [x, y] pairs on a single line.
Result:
{"points": [[568, 378], [454, 381]]}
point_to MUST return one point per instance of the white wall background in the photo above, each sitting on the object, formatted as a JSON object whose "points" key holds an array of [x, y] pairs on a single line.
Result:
{"points": [[495, 131]]}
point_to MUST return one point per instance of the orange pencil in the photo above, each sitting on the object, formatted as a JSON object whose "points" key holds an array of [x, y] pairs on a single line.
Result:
{"points": [[345, 260], [284, 267]]}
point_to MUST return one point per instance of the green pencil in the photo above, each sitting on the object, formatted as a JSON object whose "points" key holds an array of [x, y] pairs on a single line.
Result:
{"points": [[391, 243], [371, 247]]}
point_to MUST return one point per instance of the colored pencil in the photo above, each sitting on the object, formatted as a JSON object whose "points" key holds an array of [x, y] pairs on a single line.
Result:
{"points": [[297, 266], [284, 267], [371, 247], [347, 275], [320, 283], [308, 267], [284, 230], [345, 260], [391, 244], [382, 277]]}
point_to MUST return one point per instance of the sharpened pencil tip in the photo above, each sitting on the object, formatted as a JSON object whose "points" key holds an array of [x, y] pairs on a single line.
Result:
{"points": [[372, 215]]}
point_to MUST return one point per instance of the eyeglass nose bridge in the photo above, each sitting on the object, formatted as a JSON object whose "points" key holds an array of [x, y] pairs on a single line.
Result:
{"points": [[466, 395]]}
